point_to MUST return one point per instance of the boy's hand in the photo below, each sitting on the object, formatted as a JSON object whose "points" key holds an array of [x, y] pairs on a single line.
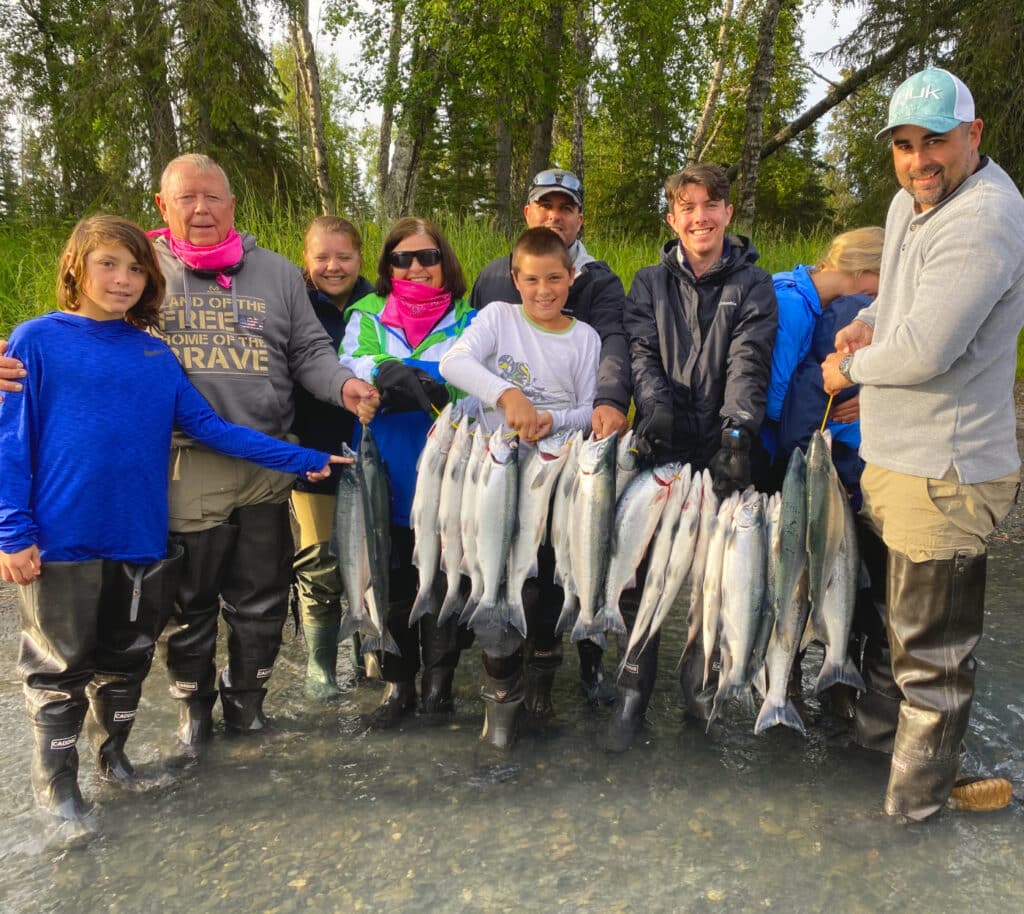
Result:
{"points": [[360, 398], [21, 567], [547, 423], [730, 467], [10, 370], [520, 414], [608, 419], [847, 411], [654, 432], [319, 475]]}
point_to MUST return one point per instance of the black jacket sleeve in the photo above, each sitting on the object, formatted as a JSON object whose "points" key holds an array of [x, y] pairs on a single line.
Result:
{"points": [[750, 356], [650, 383], [605, 305], [494, 283]]}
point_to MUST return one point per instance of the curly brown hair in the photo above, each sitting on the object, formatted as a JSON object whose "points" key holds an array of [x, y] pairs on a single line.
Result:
{"points": [[89, 234]]}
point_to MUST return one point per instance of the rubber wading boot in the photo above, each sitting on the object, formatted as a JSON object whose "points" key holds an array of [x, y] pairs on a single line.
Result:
{"points": [[195, 724], [112, 708], [436, 689], [55, 786], [596, 687], [936, 612], [322, 644], [626, 720], [538, 678], [243, 709], [398, 702], [503, 701]]}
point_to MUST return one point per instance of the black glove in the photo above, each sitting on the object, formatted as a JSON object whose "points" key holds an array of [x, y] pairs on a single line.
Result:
{"points": [[653, 437], [400, 388], [730, 467], [436, 391]]}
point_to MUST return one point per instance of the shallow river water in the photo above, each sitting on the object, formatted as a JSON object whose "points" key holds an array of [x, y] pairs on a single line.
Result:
{"points": [[329, 817]]}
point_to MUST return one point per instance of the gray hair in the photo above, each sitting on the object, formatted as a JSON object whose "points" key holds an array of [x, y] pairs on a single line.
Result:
{"points": [[196, 161]]}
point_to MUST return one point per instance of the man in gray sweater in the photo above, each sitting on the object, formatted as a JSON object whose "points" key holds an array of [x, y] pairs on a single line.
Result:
{"points": [[936, 356]]}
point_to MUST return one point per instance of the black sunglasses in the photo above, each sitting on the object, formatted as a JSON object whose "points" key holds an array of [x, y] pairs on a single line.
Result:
{"points": [[402, 260], [554, 178]]}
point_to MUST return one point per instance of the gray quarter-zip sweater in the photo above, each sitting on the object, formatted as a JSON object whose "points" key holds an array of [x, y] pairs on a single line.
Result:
{"points": [[938, 376]]}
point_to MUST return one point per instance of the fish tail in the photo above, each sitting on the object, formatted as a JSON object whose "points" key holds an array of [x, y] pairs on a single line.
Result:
{"points": [[774, 713], [423, 604], [609, 619], [469, 610], [349, 626], [516, 613], [834, 673], [567, 617], [450, 606], [389, 643]]}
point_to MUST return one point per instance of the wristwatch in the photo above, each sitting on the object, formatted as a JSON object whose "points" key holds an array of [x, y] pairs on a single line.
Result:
{"points": [[844, 367]]}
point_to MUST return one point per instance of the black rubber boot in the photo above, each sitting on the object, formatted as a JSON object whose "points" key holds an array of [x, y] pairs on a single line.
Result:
{"points": [[54, 770], [58, 614], [936, 613], [503, 700], [189, 644], [877, 709], [538, 679], [112, 709], [195, 724], [634, 687], [321, 665], [597, 688], [439, 645], [399, 702], [243, 709], [626, 721]]}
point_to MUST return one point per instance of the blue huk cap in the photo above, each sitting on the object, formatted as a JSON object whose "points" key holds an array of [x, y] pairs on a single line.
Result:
{"points": [[933, 99]]}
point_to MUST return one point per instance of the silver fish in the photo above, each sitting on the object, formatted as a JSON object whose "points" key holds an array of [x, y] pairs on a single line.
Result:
{"points": [[538, 474], [659, 559], [426, 510], [790, 604], [467, 512], [496, 501], [835, 618], [450, 510], [350, 546], [824, 517], [593, 512], [705, 528], [636, 517], [768, 613], [376, 496], [626, 466], [712, 586], [684, 548], [743, 586]]}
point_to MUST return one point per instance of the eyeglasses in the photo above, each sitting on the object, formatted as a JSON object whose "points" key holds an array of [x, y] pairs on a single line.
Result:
{"points": [[402, 260], [557, 178]]}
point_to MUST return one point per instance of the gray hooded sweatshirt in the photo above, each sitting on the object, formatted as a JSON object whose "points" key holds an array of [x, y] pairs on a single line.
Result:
{"points": [[246, 347]]}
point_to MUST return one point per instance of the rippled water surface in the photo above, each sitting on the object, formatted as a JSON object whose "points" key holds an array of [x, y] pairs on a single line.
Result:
{"points": [[329, 817]]}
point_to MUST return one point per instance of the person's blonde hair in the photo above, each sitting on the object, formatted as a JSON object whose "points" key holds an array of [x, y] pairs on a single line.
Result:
{"points": [[854, 252]]}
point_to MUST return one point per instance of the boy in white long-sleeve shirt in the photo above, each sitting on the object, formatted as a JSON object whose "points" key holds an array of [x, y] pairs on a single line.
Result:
{"points": [[530, 366], [534, 369]]}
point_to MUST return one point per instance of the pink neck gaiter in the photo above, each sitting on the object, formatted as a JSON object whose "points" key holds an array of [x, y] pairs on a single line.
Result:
{"points": [[216, 259], [415, 308]]}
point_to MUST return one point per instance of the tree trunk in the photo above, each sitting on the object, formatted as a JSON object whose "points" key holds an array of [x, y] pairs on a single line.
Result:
{"points": [[760, 87], [700, 133], [309, 73], [835, 95], [540, 136], [149, 52], [387, 117], [503, 174], [583, 45]]}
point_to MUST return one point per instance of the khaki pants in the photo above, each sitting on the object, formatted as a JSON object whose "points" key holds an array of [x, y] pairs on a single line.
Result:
{"points": [[929, 519], [206, 487]]}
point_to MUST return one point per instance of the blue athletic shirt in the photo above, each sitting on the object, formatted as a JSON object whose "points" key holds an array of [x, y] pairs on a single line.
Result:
{"points": [[84, 446]]}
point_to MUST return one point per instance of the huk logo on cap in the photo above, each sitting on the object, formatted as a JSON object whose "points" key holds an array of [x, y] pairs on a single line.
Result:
{"points": [[925, 92]]}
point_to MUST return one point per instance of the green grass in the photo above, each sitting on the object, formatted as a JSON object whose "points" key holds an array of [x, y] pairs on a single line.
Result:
{"points": [[28, 256]]}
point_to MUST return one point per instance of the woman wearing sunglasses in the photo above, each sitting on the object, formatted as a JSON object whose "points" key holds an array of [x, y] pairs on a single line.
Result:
{"points": [[395, 339]]}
